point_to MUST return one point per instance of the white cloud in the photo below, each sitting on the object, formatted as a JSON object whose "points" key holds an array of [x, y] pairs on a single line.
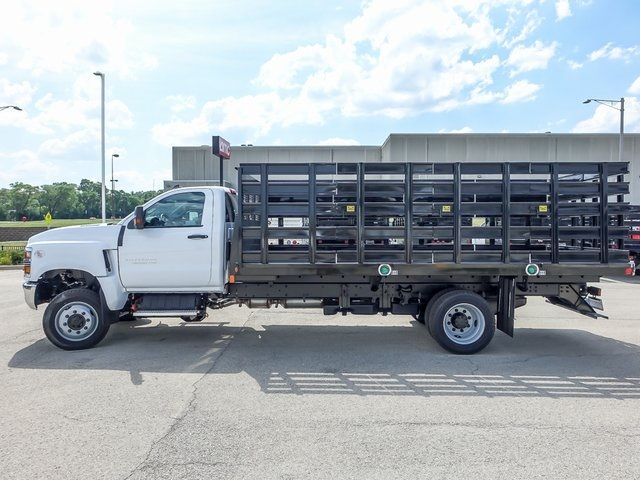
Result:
{"points": [[614, 53], [71, 36], [337, 141], [252, 116], [634, 89], [388, 61], [520, 91], [26, 166], [573, 65], [4, 58], [133, 180], [466, 129], [534, 57], [60, 146], [179, 103], [563, 9], [532, 20], [16, 93], [118, 115], [606, 119], [283, 70], [67, 121]]}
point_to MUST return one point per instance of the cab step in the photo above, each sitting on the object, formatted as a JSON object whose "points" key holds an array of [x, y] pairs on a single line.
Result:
{"points": [[168, 305], [166, 313]]}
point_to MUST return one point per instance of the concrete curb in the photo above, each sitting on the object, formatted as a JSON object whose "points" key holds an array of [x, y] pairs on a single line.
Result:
{"points": [[10, 267]]}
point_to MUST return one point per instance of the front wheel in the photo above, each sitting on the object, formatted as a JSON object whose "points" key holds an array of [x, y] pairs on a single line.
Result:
{"points": [[74, 320], [461, 321]]}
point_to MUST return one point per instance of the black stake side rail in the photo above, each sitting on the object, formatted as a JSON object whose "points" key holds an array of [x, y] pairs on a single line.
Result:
{"points": [[435, 216]]}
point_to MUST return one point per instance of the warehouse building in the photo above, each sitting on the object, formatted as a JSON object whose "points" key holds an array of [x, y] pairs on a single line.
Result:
{"points": [[197, 166]]}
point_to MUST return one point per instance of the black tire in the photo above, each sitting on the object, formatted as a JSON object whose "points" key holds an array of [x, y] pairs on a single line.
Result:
{"points": [[479, 319], [427, 310], [193, 318], [90, 312]]}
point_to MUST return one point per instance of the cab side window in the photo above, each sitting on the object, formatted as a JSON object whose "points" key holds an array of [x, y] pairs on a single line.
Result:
{"points": [[178, 210]]}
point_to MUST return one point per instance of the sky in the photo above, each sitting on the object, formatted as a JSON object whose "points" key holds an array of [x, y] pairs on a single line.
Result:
{"points": [[298, 73]]}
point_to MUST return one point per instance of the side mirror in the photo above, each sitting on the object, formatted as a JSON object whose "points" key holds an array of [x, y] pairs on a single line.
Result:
{"points": [[138, 220]]}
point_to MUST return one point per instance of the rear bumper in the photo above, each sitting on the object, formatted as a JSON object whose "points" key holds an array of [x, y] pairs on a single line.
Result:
{"points": [[29, 290]]}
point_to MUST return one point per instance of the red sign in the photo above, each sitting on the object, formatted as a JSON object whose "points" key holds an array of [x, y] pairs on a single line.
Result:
{"points": [[221, 148]]}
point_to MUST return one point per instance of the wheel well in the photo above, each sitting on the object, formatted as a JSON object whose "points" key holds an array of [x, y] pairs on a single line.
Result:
{"points": [[55, 282]]}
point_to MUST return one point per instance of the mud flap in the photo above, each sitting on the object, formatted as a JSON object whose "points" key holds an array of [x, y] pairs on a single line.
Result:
{"points": [[571, 299], [506, 304]]}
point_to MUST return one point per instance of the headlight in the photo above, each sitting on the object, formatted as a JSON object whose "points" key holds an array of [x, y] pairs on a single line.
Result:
{"points": [[26, 266]]}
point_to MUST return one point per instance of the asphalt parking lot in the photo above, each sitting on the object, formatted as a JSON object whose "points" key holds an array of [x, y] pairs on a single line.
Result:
{"points": [[294, 394]]}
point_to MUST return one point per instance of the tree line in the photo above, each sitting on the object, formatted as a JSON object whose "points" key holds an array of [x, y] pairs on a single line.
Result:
{"points": [[66, 200]]}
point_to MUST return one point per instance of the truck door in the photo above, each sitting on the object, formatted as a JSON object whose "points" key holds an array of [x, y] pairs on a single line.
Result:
{"points": [[173, 251], [229, 219]]}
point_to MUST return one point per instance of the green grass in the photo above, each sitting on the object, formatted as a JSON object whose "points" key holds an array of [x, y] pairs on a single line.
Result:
{"points": [[62, 222]]}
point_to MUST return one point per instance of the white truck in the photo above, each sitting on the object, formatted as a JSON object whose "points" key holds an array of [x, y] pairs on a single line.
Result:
{"points": [[346, 238]]}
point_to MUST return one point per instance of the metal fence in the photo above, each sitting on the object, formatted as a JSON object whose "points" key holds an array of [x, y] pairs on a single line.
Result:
{"points": [[6, 248]]}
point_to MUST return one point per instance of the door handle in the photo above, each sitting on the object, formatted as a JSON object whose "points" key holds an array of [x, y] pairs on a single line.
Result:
{"points": [[193, 237]]}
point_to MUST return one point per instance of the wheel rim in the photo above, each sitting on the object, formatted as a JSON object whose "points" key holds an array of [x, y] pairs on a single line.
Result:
{"points": [[464, 323], [76, 321]]}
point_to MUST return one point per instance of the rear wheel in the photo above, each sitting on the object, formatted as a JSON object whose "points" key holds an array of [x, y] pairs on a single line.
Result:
{"points": [[74, 320], [427, 310], [461, 321], [194, 318]]}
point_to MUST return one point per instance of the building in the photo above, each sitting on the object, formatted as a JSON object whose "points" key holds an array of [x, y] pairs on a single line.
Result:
{"points": [[197, 165]]}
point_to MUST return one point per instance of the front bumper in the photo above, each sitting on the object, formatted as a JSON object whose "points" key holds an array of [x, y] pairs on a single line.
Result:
{"points": [[29, 290]]}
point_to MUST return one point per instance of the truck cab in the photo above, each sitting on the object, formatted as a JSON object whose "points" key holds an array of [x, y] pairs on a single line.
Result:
{"points": [[175, 246], [181, 244]]}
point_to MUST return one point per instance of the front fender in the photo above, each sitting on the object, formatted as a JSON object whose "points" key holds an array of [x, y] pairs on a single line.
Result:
{"points": [[85, 255]]}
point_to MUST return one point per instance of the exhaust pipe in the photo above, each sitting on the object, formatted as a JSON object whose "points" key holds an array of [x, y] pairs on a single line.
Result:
{"points": [[286, 303]]}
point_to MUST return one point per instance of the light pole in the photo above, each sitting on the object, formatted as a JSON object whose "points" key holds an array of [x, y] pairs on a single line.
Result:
{"points": [[611, 104], [10, 106], [104, 190], [113, 185]]}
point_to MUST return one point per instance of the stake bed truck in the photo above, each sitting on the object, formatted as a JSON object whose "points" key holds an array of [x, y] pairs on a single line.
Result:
{"points": [[457, 246]]}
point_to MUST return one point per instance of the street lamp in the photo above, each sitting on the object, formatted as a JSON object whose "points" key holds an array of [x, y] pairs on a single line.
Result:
{"points": [[611, 104], [104, 193], [113, 186], [10, 106]]}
